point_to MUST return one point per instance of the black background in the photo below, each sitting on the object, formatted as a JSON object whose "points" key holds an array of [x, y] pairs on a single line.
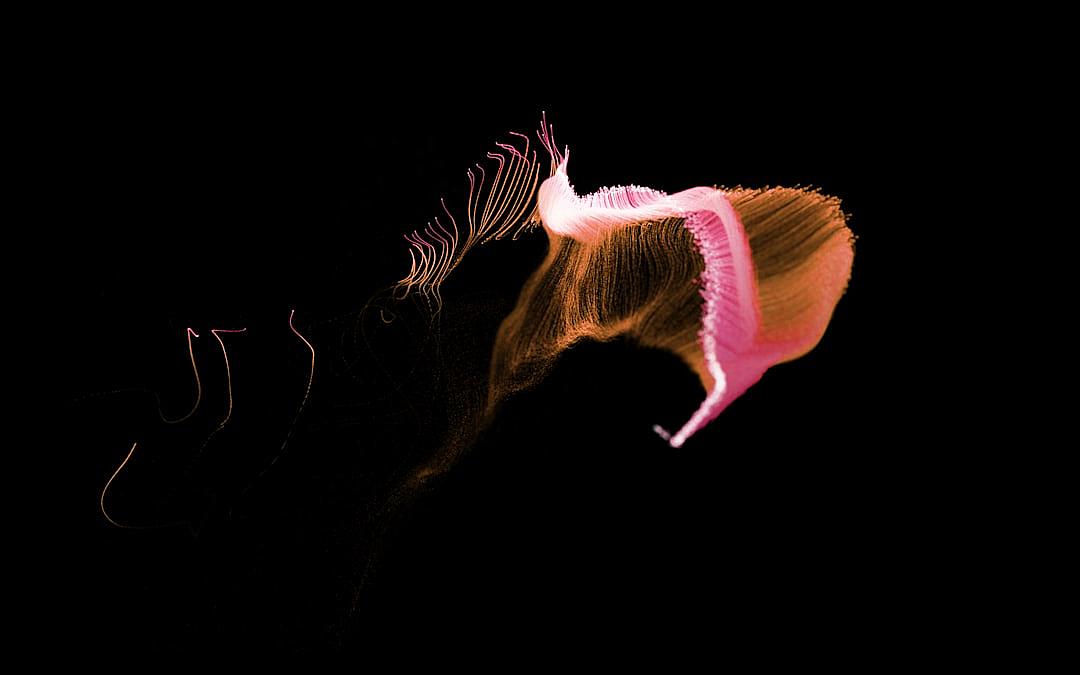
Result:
{"points": [[223, 198]]}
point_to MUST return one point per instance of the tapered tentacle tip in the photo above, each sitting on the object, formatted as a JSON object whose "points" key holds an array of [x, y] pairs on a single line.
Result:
{"points": [[662, 432], [674, 441]]}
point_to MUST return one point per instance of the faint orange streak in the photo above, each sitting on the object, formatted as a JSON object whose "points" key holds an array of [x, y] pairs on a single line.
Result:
{"points": [[303, 402], [228, 374], [198, 382], [107, 484], [307, 392], [311, 375]]}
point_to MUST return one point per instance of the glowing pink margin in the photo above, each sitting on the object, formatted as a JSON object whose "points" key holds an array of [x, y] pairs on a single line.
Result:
{"points": [[731, 317]]}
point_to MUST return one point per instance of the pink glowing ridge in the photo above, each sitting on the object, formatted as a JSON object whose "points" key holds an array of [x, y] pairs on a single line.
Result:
{"points": [[735, 356]]}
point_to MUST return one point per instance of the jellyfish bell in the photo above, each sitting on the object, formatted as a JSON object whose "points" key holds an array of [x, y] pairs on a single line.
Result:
{"points": [[731, 281], [774, 263]]}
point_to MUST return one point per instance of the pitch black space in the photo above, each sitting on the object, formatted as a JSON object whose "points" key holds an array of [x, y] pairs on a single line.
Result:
{"points": [[226, 203]]}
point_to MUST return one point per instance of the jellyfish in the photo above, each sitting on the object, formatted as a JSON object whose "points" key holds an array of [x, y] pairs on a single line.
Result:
{"points": [[731, 281]]}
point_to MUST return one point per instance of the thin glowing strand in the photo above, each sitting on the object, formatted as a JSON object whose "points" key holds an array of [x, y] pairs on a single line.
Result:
{"points": [[198, 382], [496, 206], [228, 373], [299, 410], [109, 483]]}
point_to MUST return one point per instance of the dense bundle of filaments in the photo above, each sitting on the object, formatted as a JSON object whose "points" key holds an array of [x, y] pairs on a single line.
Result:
{"points": [[638, 281], [731, 281], [497, 203]]}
